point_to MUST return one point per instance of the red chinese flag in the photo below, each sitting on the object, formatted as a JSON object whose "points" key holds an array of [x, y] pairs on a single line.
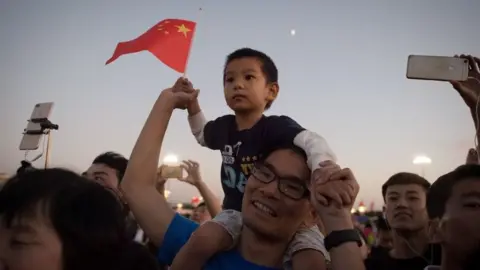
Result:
{"points": [[169, 40]]}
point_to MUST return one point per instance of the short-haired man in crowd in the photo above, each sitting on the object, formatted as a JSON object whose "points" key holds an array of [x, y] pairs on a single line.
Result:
{"points": [[405, 197], [108, 169], [454, 206]]}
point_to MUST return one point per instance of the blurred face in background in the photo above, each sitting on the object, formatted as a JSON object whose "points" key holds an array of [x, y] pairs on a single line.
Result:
{"points": [[104, 175], [200, 214]]}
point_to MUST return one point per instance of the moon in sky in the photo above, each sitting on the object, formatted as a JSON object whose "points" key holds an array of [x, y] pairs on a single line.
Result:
{"points": [[292, 32]]}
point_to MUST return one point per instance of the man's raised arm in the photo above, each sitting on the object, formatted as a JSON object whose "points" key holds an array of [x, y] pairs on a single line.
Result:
{"points": [[149, 207]]}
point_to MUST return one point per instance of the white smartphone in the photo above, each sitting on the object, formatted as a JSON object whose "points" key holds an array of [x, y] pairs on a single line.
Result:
{"points": [[437, 68], [41, 112]]}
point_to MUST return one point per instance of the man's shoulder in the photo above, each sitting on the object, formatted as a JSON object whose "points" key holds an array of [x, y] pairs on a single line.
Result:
{"points": [[176, 236], [231, 260]]}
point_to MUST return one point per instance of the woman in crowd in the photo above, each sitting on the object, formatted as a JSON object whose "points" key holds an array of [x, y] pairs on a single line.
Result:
{"points": [[54, 219]]}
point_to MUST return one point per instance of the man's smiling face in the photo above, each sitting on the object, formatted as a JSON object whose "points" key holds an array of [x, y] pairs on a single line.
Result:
{"points": [[265, 209]]}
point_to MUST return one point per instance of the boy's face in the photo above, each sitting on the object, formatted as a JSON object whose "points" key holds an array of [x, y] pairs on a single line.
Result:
{"points": [[245, 85]]}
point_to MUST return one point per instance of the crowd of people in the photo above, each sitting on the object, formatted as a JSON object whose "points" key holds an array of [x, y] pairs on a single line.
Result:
{"points": [[287, 202]]}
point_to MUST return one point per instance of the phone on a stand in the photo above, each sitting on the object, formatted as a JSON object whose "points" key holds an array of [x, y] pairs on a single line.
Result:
{"points": [[34, 130], [437, 68]]}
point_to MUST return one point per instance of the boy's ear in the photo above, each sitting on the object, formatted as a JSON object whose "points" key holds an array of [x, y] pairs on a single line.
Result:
{"points": [[273, 90]]}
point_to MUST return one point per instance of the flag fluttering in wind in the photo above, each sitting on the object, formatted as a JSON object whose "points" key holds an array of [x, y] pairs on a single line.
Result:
{"points": [[169, 40]]}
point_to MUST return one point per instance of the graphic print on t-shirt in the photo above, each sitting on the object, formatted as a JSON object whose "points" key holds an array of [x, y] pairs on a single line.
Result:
{"points": [[233, 178]]}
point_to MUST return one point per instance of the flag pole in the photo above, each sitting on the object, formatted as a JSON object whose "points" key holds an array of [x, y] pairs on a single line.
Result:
{"points": [[193, 40]]}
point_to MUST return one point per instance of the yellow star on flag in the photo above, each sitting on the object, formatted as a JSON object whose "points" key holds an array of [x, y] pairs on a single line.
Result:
{"points": [[183, 29]]}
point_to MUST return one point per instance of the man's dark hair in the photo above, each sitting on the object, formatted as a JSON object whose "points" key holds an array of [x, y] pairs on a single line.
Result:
{"points": [[405, 178], [114, 161], [87, 218], [269, 68], [441, 190], [267, 151]]}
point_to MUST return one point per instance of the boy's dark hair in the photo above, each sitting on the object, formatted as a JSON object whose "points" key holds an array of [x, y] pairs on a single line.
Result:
{"points": [[441, 190], [114, 161], [269, 68], [405, 178], [87, 218]]}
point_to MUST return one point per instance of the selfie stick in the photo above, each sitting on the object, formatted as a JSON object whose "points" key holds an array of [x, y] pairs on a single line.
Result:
{"points": [[45, 129]]}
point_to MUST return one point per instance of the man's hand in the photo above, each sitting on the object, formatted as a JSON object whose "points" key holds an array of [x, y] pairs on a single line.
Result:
{"points": [[193, 172], [332, 183], [469, 90], [333, 186], [183, 85], [472, 157], [333, 194], [178, 99]]}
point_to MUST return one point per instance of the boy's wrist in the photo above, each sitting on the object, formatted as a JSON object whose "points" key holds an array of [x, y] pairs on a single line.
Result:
{"points": [[193, 108]]}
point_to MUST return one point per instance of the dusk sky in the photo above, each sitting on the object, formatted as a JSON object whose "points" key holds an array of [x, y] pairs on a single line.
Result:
{"points": [[342, 75]]}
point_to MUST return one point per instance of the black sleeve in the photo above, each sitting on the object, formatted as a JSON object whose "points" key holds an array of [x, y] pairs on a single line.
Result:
{"points": [[280, 131], [216, 131]]}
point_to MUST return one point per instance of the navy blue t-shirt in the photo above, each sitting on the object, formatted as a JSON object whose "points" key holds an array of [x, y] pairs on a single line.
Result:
{"points": [[241, 149]]}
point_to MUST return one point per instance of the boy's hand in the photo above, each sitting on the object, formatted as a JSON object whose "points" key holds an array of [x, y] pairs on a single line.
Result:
{"points": [[185, 86], [332, 184], [177, 100]]}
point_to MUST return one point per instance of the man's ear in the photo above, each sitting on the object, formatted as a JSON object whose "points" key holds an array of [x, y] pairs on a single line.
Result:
{"points": [[436, 230], [273, 90]]}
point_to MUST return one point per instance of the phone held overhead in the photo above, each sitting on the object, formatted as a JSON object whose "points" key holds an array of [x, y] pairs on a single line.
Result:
{"points": [[437, 68]]}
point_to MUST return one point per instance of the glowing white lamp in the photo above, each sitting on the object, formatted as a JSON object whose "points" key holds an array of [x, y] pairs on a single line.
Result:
{"points": [[422, 161], [170, 159]]}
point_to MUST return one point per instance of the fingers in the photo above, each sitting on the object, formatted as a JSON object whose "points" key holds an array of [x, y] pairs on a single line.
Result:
{"points": [[335, 185], [193, 163], [190, 164], [183, 85], [337, 192], [474, 63], [323, 175], [472, 157], [186, 166]]}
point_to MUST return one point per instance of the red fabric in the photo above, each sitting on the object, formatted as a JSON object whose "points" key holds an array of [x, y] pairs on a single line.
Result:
{"points": [[169, 41]]}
